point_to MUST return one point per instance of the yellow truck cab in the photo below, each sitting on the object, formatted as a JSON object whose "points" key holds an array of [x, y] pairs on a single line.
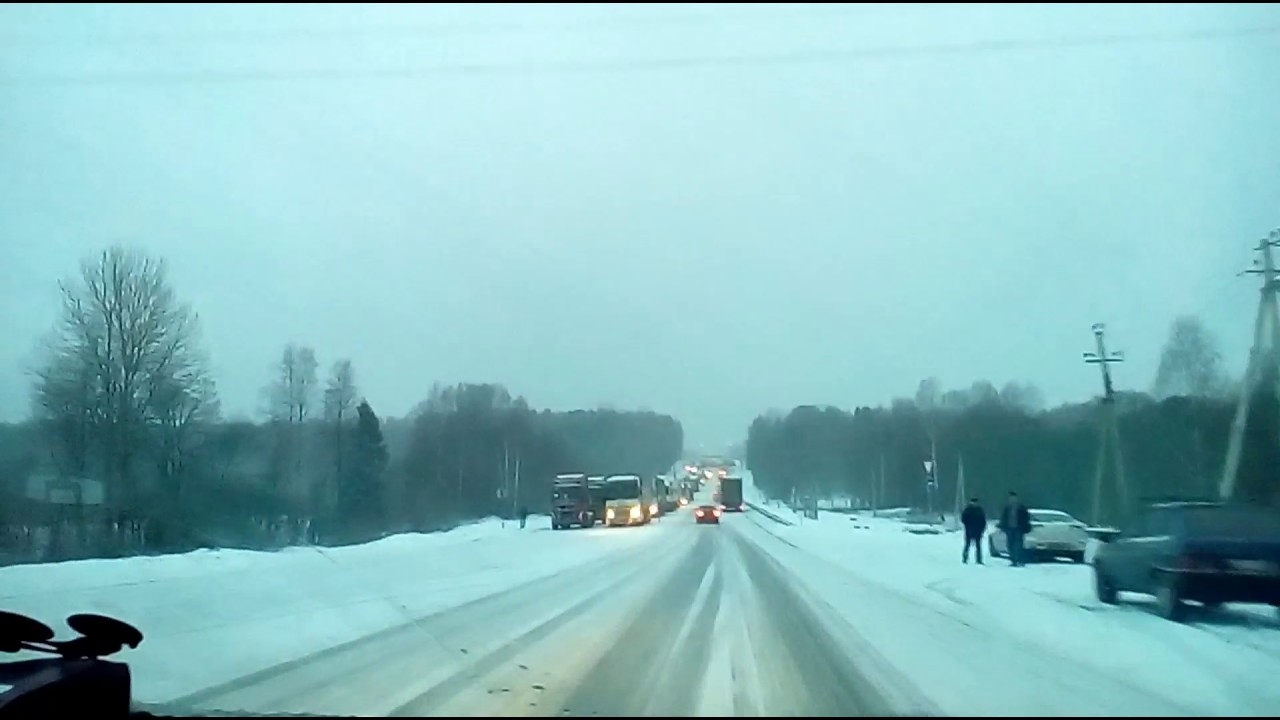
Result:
{"points": [[625, 503]]}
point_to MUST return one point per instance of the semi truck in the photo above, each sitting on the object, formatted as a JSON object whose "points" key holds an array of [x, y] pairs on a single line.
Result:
{"points": [[667, 494], [571, 502], [731, 493], [595, 485]]}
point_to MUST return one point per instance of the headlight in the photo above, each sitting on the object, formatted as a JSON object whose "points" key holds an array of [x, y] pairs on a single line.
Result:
{"points": [[653, 509], [635, 512], [609, 513]]}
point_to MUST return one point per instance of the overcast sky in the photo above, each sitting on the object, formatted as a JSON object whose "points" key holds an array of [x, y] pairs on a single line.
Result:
{"points": [[703, 210]]}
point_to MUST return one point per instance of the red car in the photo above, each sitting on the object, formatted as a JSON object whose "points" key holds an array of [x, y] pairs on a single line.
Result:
{"points": [[707, 514]]}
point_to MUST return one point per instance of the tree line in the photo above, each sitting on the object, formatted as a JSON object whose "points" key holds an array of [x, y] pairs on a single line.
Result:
{"points": [[1173, 441], [127, 449]]}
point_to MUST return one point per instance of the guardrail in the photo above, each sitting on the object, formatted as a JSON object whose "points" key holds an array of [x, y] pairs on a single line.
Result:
{"points": [[769, 514]]}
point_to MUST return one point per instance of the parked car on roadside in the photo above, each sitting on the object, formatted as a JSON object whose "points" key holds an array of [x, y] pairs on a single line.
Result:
{"points": [[1053, 534]]}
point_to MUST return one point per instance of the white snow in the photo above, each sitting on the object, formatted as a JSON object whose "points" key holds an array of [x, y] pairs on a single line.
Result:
{"points": [[976, 640], [996, 640], [211, 616]]}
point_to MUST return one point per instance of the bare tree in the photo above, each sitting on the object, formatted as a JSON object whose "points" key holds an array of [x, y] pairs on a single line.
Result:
{"points": [[340, 394], [290, 398], [123, 376], [68, 405], [1022, 396], [291, 395], [1190, 363], [339, 408], [928, 394]]}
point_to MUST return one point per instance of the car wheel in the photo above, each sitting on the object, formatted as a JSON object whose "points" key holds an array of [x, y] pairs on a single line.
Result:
{"points": [[1103, 586], [1169, 599]]}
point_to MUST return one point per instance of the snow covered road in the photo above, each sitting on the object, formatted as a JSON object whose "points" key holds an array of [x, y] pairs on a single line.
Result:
{"points": [[696, 620], [836, 616]]}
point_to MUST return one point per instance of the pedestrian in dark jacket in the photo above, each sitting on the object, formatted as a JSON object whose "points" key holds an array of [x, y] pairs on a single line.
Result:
{"points": [[1015, 522], [974, 520]]}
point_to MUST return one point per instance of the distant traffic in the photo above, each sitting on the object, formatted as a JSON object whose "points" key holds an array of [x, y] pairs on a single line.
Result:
{"points": [[626, 500]]}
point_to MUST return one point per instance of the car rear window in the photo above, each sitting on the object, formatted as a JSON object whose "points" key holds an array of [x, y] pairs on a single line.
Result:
{"points": [[1233, 522]]}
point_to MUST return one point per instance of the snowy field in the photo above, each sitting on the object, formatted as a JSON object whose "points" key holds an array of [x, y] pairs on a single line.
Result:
{"points": [[211, 616], [1042, 629]]}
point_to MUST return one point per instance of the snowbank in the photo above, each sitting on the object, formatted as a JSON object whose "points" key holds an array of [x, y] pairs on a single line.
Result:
{"points": [[211, 616], [1223, 663]]}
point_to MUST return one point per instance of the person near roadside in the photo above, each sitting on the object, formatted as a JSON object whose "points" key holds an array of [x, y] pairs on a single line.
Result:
{"points": [[1015, 523], [974, 520]]}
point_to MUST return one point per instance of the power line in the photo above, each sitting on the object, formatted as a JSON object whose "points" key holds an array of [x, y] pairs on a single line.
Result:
{"points": [[612, 21], [691, 62]]}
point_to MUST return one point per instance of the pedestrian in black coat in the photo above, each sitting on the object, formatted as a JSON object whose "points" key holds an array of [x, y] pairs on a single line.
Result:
{"points": [[974, 520]]}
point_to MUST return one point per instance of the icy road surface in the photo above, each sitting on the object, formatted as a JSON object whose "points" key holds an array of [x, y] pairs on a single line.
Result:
{"points": [[697, 620], [836, 616]]}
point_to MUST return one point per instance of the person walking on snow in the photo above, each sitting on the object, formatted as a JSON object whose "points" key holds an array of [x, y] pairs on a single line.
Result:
{"points": [[974, 520], [1015, 522]]}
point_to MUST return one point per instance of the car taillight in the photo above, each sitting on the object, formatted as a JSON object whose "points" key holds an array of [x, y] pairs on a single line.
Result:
{"points": [[698, 513]]}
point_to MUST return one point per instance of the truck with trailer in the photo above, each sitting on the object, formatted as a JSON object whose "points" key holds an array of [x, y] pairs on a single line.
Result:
{"points": [[595, 484], [731, 493], [571, 502]]}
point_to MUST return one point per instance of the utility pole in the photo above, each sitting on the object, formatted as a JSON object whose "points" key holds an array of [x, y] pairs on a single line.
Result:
{"points": [[960, 491], [872, 483], [1262, 357], [515, 495], [1108, 434], [506, 473], [931, 468], [881, 478]]}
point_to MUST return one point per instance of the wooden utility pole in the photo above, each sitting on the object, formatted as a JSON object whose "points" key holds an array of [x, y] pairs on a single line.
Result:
{"points": [[1262, 356], [1109, 454]]}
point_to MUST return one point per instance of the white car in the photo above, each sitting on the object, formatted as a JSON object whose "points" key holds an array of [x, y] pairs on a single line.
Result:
{"points": [[1053, 534]]}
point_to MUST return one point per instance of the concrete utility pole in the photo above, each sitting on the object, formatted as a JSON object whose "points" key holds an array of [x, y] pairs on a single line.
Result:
{"points": [[880, 479], [931, 471], [1266, 333], [1108, 436], [872, 483]]}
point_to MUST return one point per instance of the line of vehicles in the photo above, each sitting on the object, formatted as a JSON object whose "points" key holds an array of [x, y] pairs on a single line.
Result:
{"points": [[582, 500]]}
